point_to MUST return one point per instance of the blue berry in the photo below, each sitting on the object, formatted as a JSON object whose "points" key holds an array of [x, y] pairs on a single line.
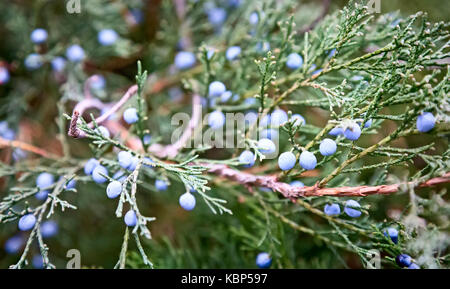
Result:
{"points": [[307, 160], [327, 147], [97, 82], [103, 131], [216, 119], [113, 189], [263, 260], [403, 260], [184, 60], [107, 37], [125, 159], [4, 75], [216, 88], [148, 162], [187, 201], [265, 121], [426, 122], [39, 36], [33, 61], [133, 165], [49, 229], [266, 146], [250, 118], [41, 195], [298, 120], [392, 233], [247, 159], [161, 185], [353, 132], [217, 16], [226, 96], [413, 266], [44, 180], [349, 208], [332, 210], [286, 161], [27, 222], [70, 185], [233, 52], [294, 61], [147, 139], [332, 53], [120, 176], [278, 117], [58, 64], [130, 115], [130, 218], [75, 53], [297, 184], [368, 123], [254, 18], [13, 244], [336, 131], [90, 166], [38, 262], [97, 174], [269, 133]]}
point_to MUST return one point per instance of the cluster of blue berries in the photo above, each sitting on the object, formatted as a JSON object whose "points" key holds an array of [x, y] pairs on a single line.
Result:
{"points": [[351, 208], [404, 260], [96, 170]]}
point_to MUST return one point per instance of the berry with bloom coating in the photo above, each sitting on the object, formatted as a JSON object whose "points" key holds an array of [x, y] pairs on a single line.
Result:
{"points": [[217, 16], [44, 180], [266, 146], [103, 131], [4, 75], [294, 61], [97, 82], [254, 18], [120, 176], [33, 61], [42, 195], [216, 119], [327, 147], [425, 122], [403, 260], [278, 117], [49, 229], [216, 88], [184, 60], [269, 133], [336, 131], [297, 184], [298, 120], [13, 244], [286, 161], [107, 37], [332, 210], [247, 159], [58, 64], [90, 166], [133, 165], [130, 115], [161, 185], [38, 262], [147, 139], [39, 35], [130, 218], [392, 233], [233, 52], [27, 222], [413, 266], [263, 260], [75, 53], [97, 174], [353, 132], [307, 160], [349, 205], [226, 96], [187, 201], [113, 189], [125, 159]]}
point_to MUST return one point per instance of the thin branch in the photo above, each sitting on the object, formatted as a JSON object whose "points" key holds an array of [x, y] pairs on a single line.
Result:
{"points": [[26, 147]]}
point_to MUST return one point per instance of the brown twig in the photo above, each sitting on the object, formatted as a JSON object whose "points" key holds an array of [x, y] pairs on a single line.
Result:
{"points": [[26, 147], [271, 182]]}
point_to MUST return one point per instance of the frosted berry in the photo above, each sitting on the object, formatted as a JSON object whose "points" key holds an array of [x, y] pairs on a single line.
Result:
{"points": [[114, 189], [4, 75], [133, 165], [44, 180], [307, 160], [269, 133], [254, 18], [97, 82], [336, 131], [13, 244], [425, 122], [37, 262], [286, 161], [216, 88], [27, 222], [353, 132], [297, 184], [266, 146], [217, 16], [58, 64], [39, 36], [161, 185], [278, 117], [125, 159], [187, 201], [216, 119], [130, 115], [332, 210], [90, 166], [49, 229], [403, 260], [247, 159], [298, 120], [130, 218], [294, 61], [120, 176], [41, 195], [226, 96], [233, 52], [33, 61], [349, 208], [107, 37], [327, 147], [75, 53], [413, 266], [103, 131], [392, 233], [97, 174], [147, 139], [263, 260], [184, 60]]}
